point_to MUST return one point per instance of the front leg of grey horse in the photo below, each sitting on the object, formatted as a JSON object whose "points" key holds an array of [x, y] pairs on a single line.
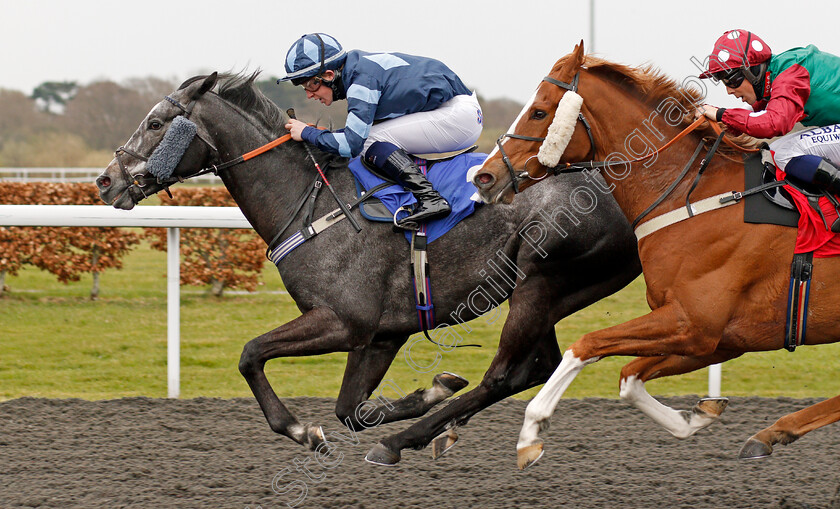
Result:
{"points": [[316, 332], [366, 400]]}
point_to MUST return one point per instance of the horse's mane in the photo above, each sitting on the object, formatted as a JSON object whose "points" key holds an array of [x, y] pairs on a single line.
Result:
{"points": [[240, 90], [653, 87]]}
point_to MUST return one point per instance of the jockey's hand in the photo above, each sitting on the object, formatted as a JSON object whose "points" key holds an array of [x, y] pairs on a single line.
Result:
{"points": [[295, 127], [705, 110]]}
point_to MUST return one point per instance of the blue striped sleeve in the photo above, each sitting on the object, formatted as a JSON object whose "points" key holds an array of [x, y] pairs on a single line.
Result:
{"points": [[324, 140], [362, 100]]}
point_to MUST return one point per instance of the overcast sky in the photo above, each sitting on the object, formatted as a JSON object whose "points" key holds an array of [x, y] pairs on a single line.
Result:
{"points": [[499, 48]]}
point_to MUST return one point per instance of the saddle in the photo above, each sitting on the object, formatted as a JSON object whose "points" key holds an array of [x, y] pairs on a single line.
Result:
{"points": [[785, 202], [776, 205], [447, 173], [373, 209]]}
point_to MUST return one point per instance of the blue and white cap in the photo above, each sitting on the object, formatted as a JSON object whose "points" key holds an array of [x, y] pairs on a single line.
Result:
{"points": [[311, 55]]}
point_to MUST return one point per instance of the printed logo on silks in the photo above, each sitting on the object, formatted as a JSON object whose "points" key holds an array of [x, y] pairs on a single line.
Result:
{"points": [[479, 116]]}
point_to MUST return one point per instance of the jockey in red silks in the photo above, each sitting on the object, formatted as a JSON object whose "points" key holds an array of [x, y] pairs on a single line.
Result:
{"points": [[797, 85]]}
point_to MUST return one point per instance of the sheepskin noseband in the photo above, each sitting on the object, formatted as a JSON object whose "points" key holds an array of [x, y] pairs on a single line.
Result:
{"points": [[171, 149], [561, 129]]}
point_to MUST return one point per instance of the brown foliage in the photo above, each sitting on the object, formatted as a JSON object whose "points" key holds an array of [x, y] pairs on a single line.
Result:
{"points": [[96, 120], [66, 252], [18, 115], [221, 258], [105, 114], [49, 149]]}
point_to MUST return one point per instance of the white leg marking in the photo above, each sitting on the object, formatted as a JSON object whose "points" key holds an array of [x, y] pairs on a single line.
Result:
{"points": [[297, 432], [435, 394], [680, 423], [540, 408]]}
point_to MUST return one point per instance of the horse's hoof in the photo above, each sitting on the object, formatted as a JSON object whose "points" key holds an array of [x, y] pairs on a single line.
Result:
{"points": [[450, 381], [443, 443], [754, 449], [529, 455], [314, 436], [712, 407], [381, 455]]}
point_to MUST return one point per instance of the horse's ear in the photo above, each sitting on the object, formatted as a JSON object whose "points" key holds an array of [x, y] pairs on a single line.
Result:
{"points": [[577, 54], [209, 83]]}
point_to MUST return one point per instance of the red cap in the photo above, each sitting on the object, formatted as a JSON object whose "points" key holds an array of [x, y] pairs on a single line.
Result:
{"points": [[735, 49]]}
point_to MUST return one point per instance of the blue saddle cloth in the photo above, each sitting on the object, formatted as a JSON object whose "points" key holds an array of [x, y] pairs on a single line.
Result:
{"points": [[448, 177]]}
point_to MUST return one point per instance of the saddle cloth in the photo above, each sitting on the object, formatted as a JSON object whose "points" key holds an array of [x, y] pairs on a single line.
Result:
{"points": [[448, 177], [812, 232]]}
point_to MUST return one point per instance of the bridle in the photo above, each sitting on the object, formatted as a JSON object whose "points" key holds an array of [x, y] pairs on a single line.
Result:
{"points": [[516, 177], [141, 181], [523, 175], [520, 176]]}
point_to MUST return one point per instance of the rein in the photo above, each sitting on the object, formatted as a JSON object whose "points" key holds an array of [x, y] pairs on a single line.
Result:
{"points": [[310, 194], [595, 165], [516, 177]]}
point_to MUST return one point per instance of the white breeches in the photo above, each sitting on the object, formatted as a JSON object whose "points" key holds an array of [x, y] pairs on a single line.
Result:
{"points": [[454, 125], [818, 141]]}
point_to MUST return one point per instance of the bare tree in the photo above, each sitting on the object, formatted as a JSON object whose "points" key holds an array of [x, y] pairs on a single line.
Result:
{"points": [[105, 114]]}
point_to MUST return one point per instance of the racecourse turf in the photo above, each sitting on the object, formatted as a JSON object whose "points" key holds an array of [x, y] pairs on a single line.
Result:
{"points": [[57, 343]]}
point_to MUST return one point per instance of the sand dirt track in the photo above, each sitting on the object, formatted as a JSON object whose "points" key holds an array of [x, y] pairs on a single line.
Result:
{"points": [[139, 452]]}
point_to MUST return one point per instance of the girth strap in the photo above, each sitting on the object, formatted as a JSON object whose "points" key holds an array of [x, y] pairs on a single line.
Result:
{"points": [[422, 281], [683, 213], [797, 309], [276, 254], [423, 286]]}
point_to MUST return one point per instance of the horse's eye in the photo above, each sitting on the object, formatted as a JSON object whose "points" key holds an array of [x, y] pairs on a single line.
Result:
{"points": [[154, 125], [538, 115]]}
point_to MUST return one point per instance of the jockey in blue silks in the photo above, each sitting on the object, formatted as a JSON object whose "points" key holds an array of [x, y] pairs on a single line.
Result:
{"points": [[397, 104]]}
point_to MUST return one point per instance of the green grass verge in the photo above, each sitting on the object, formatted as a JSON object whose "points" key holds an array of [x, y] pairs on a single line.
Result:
{"points": [[55, 342]]}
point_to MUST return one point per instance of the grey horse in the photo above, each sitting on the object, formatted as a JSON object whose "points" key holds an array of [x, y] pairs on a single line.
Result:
{"points": [[544, 254]]}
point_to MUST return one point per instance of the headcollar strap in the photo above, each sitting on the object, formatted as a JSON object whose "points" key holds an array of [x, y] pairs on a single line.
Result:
{"points": [[186, 109], [573, 86]]}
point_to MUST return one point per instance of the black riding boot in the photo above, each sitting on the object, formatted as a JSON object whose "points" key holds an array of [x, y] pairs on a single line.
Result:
{"points": [[827, 176], [430, 204]]}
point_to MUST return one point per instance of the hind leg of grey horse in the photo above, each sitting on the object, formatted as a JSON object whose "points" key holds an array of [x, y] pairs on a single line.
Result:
{"points": [[518, 365], [364, 372], [317, 331]]}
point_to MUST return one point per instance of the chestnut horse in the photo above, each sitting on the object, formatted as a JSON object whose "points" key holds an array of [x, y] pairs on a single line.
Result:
{"points": [[717, 287]]}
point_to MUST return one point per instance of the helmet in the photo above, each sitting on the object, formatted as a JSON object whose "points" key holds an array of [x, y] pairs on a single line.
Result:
{"points": [[737, 49], [311, 55]]}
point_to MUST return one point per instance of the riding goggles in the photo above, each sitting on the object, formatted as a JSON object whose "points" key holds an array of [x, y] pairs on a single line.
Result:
{"points": [[312, 85], [732, 78]]}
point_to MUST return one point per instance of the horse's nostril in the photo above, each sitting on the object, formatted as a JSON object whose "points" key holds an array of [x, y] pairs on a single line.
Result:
{"points": [[103, 181], [484, 178]]}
